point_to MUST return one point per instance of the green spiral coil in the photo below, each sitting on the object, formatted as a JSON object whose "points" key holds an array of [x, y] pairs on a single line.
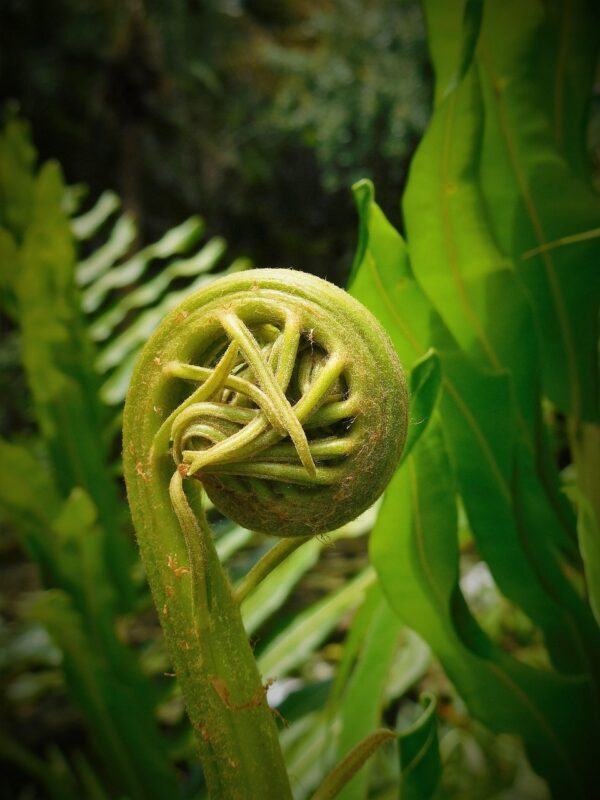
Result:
{"points": [[283, 396]]}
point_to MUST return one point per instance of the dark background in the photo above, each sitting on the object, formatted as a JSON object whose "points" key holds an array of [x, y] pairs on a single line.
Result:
{"points": [[258, 115]]}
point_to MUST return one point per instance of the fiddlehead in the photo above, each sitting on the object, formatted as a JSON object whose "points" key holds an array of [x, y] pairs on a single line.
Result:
{"points": [[282, 397], [296, 408]]}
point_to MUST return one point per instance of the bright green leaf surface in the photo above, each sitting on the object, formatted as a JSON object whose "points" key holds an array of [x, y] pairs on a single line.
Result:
{"points": [[310, 628], [445, 41], [481, 443], [476, 411], [420, 762], [469, 35], [414, 548], [88, 224], [176, 241], [272, 592], [121, 238], [354, 640], [454, 256], [589, 545], [425, 380], [364, 696], [523, 173]]}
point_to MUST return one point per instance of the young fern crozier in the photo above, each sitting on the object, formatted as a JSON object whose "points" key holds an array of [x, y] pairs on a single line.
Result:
{"points": [[282, 397]]}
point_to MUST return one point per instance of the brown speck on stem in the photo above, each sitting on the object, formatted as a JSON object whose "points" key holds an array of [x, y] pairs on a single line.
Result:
{"points": [[269, 682], [202, 729], [278, 715], [157, 361], [221, 689], [139, 468], [172, 565]]}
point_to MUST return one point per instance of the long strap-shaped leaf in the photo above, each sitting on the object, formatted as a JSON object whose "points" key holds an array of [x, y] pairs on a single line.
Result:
{"points": [[414, 548], [477, 413], [482, 450]]}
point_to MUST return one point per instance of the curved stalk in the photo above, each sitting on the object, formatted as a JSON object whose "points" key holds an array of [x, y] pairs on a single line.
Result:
{"points": [[293, 425]]}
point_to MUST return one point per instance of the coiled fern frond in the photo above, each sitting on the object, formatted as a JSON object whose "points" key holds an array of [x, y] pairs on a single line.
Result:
{"points": [[283, 398], [283, 395]]}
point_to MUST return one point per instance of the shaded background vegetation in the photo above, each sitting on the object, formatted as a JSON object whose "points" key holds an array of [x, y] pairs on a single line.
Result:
{"points": [[258, 115]]}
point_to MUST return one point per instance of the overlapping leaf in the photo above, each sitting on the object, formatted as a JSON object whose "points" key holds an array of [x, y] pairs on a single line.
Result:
{"points": [[475, 408], [528, 145], [477, 416], [420, 760], [414, 548], [364, 696]]}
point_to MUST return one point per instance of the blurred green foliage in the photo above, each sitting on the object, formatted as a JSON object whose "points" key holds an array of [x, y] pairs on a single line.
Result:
{"points": [[352, 87], [57, 489]]}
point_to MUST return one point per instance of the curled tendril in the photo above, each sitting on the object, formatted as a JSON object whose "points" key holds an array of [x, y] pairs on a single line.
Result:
{"points": [[283, 396]]}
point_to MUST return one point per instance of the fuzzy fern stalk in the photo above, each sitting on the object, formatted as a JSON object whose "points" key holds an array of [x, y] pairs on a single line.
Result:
{"points": [[282, 397]]}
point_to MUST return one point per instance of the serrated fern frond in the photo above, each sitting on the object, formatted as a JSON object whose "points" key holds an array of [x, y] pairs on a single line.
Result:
{"points": [[125, 293]]}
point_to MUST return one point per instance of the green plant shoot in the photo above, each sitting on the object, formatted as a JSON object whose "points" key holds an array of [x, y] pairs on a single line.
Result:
{"points": [[283, 398]]}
